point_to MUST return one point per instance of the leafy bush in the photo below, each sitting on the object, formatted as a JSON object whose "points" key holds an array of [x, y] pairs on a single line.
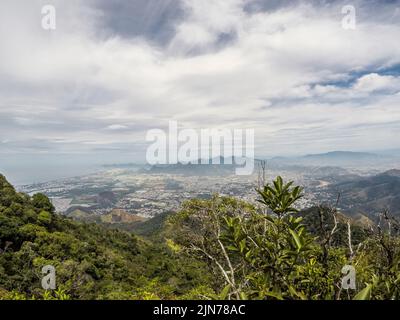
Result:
{"points": [[274, 256]]}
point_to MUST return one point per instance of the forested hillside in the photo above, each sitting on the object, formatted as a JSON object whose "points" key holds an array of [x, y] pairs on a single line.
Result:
{"points": [[91, 262], [220, 248], [371, 194]]}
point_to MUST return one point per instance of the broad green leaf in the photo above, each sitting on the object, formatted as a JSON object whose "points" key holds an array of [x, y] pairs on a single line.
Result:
{"points": [[296, 239], [225, 292], [364, 294]]}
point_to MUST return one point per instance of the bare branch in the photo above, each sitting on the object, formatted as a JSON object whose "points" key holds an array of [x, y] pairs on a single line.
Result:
{"points": [[224, 273], [349, 240]]}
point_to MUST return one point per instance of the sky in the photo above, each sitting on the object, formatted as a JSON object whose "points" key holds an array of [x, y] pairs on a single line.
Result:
{"points": [[88, 91]]}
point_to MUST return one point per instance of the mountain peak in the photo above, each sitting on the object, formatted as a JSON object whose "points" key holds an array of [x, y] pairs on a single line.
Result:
{"points": [[342, 154]]}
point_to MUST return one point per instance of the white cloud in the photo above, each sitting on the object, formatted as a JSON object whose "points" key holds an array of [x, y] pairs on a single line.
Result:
{"points": [[375, 82], [275, 71]]}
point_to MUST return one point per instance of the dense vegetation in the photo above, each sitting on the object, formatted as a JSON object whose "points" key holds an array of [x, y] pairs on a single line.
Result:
{"points": [[91, 261], [220, 248]]}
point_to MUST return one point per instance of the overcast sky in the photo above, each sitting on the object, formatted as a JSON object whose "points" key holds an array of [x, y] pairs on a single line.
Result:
{"points": [[114, 69]]}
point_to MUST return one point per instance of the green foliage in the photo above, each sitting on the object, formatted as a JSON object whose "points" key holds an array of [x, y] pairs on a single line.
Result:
{"points": [[221, 248], [276, 256], [41, 202], [91, 262], [364, 294], [280, 197], [44, 218]]}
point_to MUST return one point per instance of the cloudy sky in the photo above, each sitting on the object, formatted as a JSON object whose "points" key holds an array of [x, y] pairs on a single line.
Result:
{"points": [[114, 69]]}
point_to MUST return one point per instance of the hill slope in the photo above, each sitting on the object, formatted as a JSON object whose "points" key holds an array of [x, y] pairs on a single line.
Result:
{"points": [[371, 195], [91, 261]]}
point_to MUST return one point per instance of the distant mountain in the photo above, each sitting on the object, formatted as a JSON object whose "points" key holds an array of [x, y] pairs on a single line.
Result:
{"points": [[343, 155], [370, 195], [124, 166], [219, 166], [324, 164], [193, 169], [344, 159]]}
